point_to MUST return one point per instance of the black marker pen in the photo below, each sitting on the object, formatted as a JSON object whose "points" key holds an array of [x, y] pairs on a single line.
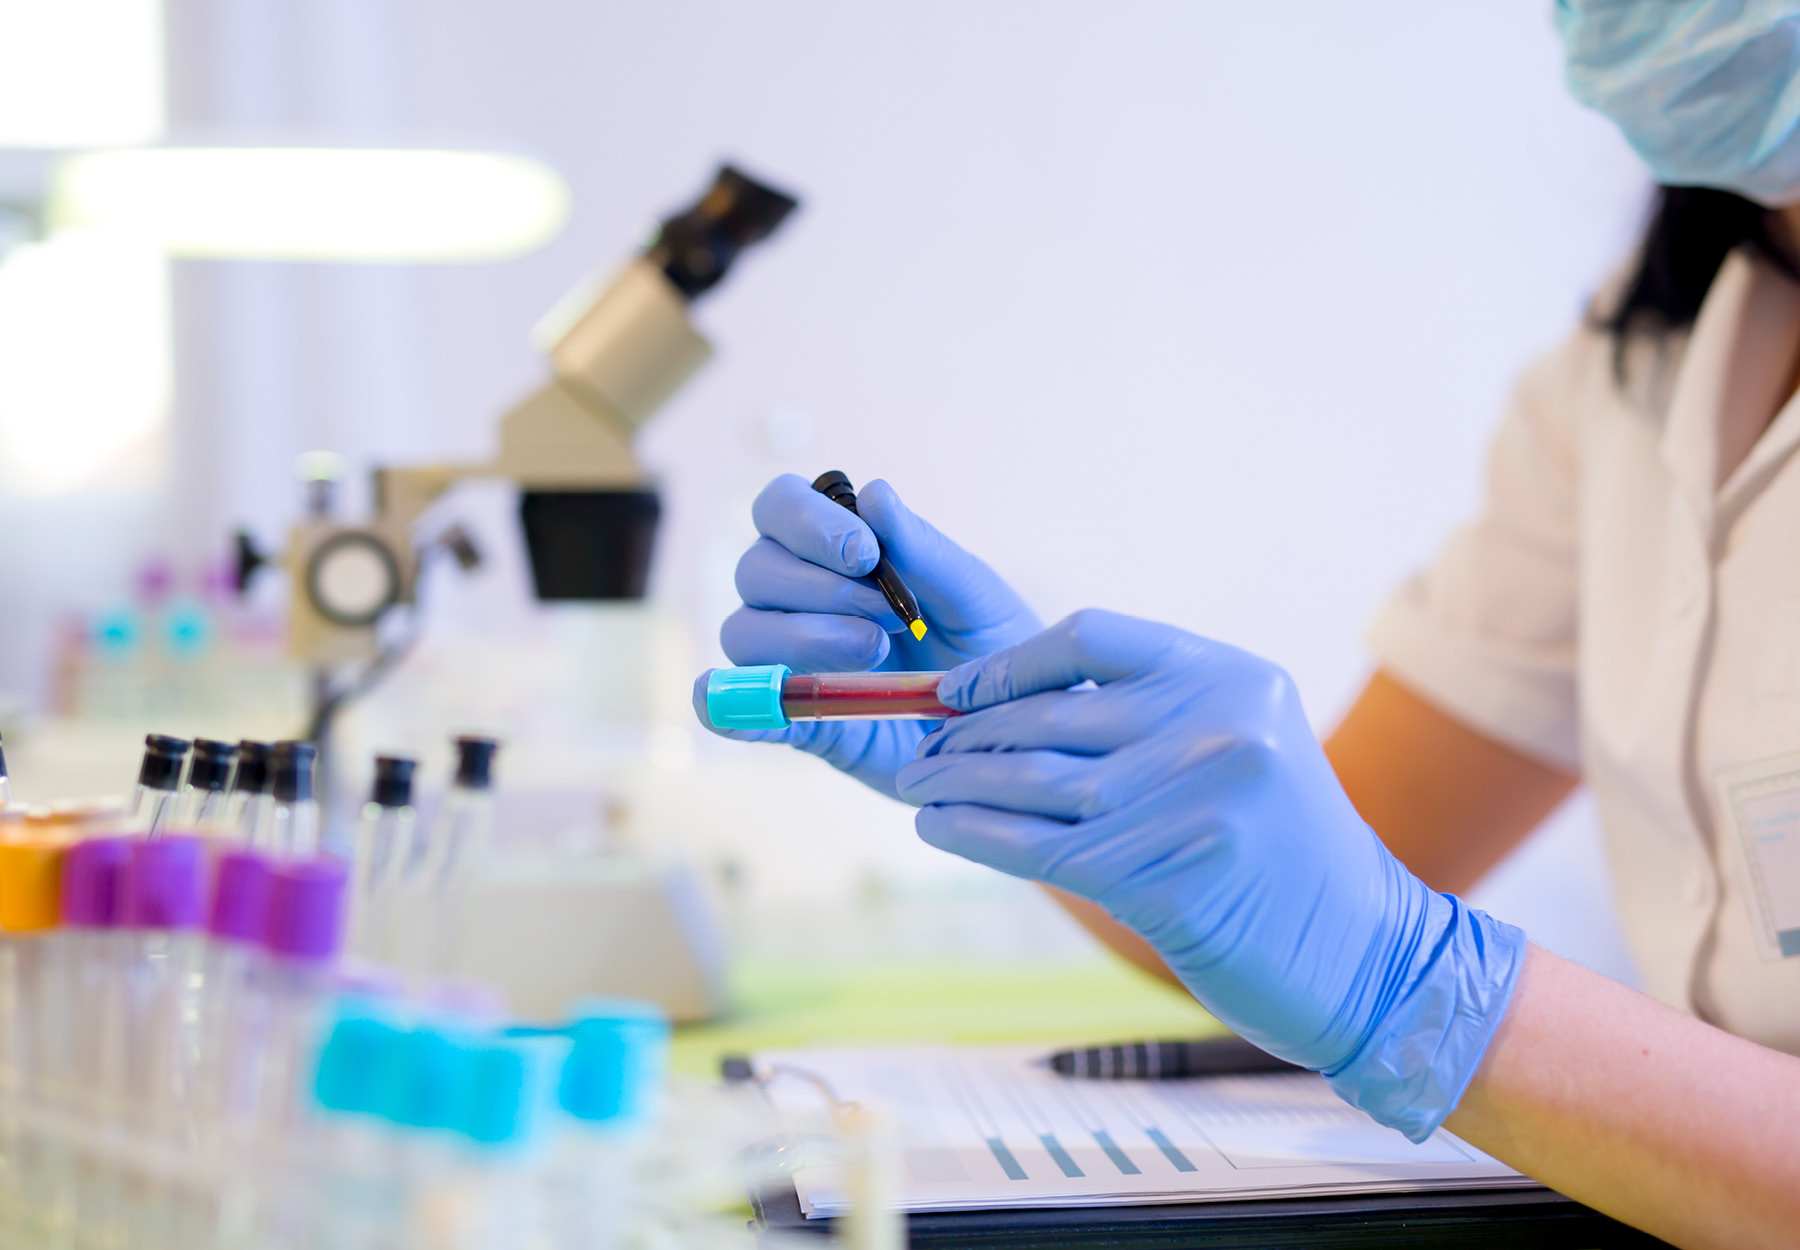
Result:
{"points": [[836, 487]]}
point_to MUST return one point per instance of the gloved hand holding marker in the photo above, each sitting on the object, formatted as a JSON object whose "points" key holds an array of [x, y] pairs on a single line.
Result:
{"points": [[808, 605], [769, 696]]}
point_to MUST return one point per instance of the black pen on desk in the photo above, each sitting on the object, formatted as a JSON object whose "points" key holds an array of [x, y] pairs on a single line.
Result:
{"points": [[1156, 1061], [836, 487]]}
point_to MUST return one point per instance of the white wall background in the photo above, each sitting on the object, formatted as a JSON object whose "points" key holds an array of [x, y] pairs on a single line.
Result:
{"points": [[1196, 310]]}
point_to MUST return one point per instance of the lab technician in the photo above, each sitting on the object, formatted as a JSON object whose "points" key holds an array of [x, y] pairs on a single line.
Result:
{"points": [[1624, 612]]}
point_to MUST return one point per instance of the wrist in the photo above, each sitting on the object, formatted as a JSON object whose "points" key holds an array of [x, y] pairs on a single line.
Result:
{"points": [[1453, 990]]}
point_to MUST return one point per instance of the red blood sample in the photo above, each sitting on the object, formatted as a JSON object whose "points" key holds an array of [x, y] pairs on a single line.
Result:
{"points": [[862, 696]]}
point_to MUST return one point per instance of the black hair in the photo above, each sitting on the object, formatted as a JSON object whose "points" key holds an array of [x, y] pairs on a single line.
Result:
{"points": [[1692, 230]]}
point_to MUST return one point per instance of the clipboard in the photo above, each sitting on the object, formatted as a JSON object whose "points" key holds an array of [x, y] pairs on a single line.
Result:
{"points": [[1477, 1219]]}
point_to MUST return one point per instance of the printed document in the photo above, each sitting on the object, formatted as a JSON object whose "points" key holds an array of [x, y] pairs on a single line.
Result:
{"points": [[990, 1127]]}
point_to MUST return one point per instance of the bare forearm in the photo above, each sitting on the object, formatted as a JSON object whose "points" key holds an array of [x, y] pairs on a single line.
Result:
{"points": [[1633, 1108], [1448, 801]]}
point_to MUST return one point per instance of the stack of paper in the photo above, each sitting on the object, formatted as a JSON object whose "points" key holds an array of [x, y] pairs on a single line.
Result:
{"points": [[986, 1128]]}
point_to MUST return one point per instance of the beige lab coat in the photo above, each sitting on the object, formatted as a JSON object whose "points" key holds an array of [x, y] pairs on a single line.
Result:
{"points": [[1627, 606]]}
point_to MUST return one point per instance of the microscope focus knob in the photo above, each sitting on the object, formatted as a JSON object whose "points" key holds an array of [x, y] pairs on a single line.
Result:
{"points": [[246, 559]]}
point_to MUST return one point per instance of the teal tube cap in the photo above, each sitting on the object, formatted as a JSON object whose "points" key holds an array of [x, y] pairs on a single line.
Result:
{"points": [[746, 698]]}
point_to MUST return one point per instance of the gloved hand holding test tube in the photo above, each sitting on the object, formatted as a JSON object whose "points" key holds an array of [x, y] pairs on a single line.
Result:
{"points": [[808, 605]]}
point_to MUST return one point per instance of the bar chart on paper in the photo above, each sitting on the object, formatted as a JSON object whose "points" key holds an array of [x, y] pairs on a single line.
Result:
{"points": [[987, 1128]]}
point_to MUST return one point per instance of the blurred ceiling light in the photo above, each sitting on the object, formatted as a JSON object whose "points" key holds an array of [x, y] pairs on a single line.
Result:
{"points": [[324, 204], [84, 395], [76, 73]]}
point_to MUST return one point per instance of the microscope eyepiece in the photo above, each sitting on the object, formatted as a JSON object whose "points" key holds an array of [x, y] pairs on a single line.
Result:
{"points": [[695, 248]]}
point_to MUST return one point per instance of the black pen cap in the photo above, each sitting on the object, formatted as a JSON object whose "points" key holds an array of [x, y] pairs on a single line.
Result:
{"points": [[291, 772], [393, 780], [836, 487], [475, 762], [252, 776], [163, 757], [212, 764]]}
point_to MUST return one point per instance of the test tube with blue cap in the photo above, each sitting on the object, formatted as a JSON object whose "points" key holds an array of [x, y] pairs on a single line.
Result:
{"points": [[609, 1088], [771, 696]]}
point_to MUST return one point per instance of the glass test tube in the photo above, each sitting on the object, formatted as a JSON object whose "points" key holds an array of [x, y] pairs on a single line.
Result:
{"points": [[237, 919], [862, 696], [385, 1093], [165, 912], [301, 943], [771, 696], [98, 952], [249, 796], [209, 776], [460, 841], [155, 803], [31, 1179], [293, 816], [384, 840], [444, 862]]}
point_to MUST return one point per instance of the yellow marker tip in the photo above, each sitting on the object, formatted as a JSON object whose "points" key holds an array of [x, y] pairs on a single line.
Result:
{"points": [[918, 630]]}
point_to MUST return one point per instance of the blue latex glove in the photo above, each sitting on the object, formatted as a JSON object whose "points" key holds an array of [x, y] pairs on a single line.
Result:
{"points": [[1186, 794], [808, 605]]}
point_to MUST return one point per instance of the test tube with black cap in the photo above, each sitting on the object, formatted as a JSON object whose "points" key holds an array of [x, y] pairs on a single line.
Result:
{"points": [[453, 854], [208, 785], [157, 799], [293, 820], [464, 829], [249, 797], [384, 839]]}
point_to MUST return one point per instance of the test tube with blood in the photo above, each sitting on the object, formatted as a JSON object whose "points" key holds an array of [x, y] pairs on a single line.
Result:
{"points": [[770, 696]]}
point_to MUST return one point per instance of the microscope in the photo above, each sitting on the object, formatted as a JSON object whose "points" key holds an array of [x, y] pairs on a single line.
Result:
{"points": [[588, 514], [589, 517]]}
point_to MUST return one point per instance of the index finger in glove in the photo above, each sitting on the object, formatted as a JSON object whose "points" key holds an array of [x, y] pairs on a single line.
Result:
{"points": [[1090, 645], [817, 530], [771, 576]]}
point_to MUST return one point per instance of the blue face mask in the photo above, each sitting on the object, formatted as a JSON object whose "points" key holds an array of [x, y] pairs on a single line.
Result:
{"points": [[1707, 91]]}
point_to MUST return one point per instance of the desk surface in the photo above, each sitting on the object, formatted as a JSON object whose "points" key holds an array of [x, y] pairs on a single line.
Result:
{"points": [[783, 1005]]}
